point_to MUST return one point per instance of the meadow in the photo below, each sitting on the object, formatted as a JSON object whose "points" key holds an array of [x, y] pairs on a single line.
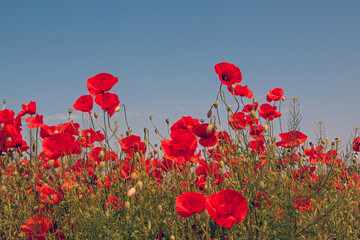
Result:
{"points": [[245, 175]]}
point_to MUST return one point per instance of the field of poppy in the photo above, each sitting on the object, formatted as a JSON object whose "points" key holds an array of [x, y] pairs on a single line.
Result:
{"points": [[243, 177]]}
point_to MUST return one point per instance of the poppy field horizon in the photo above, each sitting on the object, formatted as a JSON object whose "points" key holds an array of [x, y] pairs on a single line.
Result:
{"points": [[245, 174]]}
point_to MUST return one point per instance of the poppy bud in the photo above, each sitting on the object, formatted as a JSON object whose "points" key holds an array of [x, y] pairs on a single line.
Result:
{"points": [[140, 185], [117, 109], [283, 98], [155, 150], [209, 128], [50, 163], [102, 164], [228, 108], [3, 189], [70, 110], [101, 154], [150, 117], [131, 192], [356, 156], [133, 176], [216, 104], [159, 208], [167, 121], [262, 184], [4, 101], [232, 86], [96, 114], [209, 113], [8, 139], [127, 205], [253, 114], [172, 237], [266, 128]]}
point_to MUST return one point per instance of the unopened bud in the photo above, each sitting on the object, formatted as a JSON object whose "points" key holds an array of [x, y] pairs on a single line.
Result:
{"points": [[8, 139], [50, 163], [167, 121], [159, 208], [96, 114], [101, 154], [172, 237], [133, 176], [140, 185], [127, 205], [228, 108], [70, 110], [266, 128], [216, 104], [3, 189], [117, 109], [283, 98], [209, 113], [102, 164], [253, 113], [261, 184], [131, 192], [209, 128], [356, 156]]}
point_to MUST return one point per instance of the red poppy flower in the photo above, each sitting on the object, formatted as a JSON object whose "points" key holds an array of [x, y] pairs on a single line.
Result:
{"points": [[256, 132], [228, 73], [185, 123], [101, 83], [108, 102], [291, 139], [36, 227], [89, 136], [189, 203], [356, 144], [35, 122], [182, 146], [242, 91], [302, 203], [7, 116], [55, 145], [28, 109], [48, 194], [238, 121], [275, 95], [224, 138], [132, 144], [249, 107], [268, 112], [257, 146], [206, 139], [226, 207], [84, 104]]}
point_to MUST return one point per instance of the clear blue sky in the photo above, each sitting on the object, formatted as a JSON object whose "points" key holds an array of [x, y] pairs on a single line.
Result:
{"points": [[164, 52]]}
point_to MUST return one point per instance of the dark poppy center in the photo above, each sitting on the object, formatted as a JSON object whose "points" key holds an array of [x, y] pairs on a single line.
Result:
{"points": [[225, 78]]}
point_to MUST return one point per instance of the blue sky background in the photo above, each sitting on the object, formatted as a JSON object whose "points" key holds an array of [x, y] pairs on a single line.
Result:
{"points": [[164, 52]]}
